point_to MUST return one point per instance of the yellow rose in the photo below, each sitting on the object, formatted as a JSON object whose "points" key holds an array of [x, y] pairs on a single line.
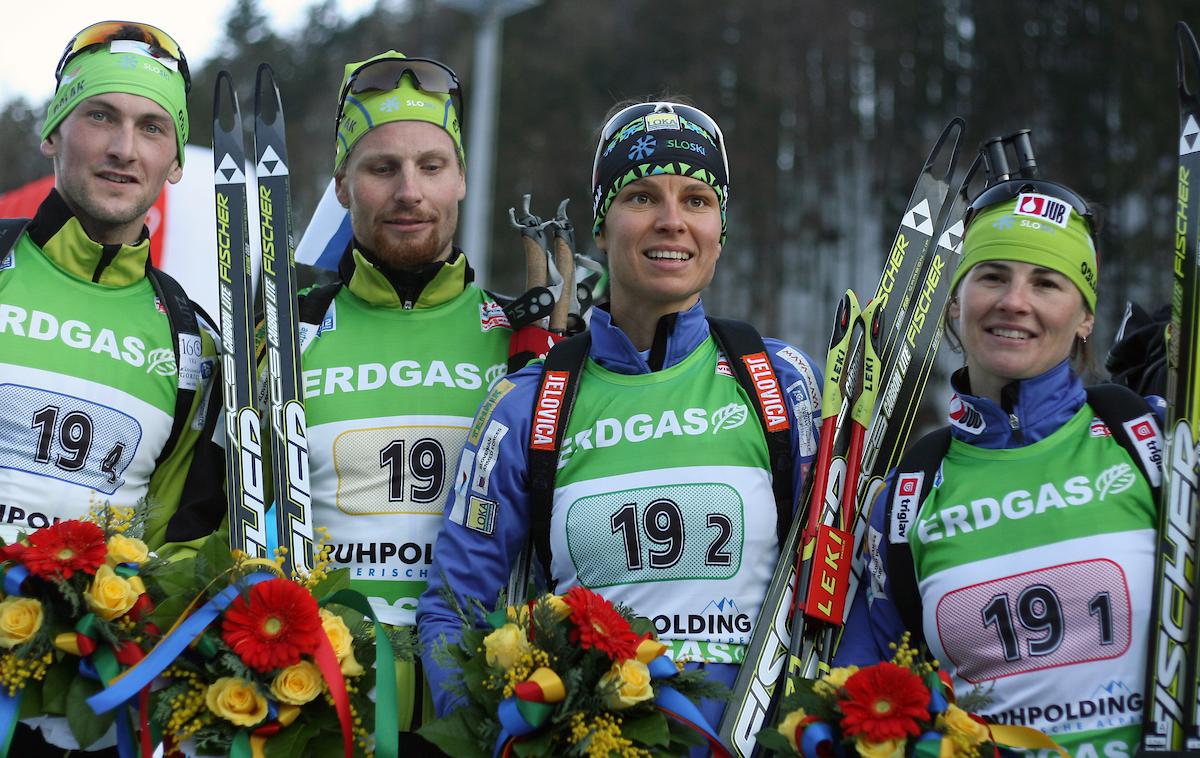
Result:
{"points": [[560, 608], [834, 680], [236, 700], [20, 619], [958, 723], [297, 684], [342, 642], [885, 749], [789, 725], [505, 646], [122, 549], [629, 681], [110, 595]]}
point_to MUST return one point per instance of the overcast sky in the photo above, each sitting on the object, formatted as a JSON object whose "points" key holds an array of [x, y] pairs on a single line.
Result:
{"points": [[38, 31]]}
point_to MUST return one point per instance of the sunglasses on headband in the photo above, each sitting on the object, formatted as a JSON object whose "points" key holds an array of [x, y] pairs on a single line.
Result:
{"points": [[689, 116], [139, 38], [1010, 189], [385, 74]]}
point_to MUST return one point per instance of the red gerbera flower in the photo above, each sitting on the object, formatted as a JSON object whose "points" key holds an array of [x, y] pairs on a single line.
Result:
{"points": [[597, 624], [64, 548], [885, 703], [279, 624]]}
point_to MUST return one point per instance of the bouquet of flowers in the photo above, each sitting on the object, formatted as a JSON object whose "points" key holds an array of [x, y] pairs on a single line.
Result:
{"points": [[570, 675], [217, 652], [76, 609], [275, 670], [893, 709]]}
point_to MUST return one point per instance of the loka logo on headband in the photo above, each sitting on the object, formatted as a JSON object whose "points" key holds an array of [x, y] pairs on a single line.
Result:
{"points": [[1044, 208]]}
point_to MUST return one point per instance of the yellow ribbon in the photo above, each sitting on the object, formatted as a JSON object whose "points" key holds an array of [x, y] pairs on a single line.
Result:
{"points": [[1011, 735]]}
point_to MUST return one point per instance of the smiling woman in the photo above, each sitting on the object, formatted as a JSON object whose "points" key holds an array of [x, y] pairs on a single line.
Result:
{"points": [[1021, 538], [662, 458]]}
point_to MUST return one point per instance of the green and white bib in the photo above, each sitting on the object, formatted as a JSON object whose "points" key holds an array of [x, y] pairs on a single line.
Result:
{"points": [[1035, 566], [663, 502], [87, 389], [389, 396]]}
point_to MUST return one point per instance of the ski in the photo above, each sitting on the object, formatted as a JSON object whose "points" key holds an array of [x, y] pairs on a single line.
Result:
{"points": [[243, 451], [285, 399], [1170, 718], [750, 704]]}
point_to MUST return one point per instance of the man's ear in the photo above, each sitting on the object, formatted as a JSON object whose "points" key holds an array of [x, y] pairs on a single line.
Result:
{"points": [[176, 172], [340, 190], [48, 146]]}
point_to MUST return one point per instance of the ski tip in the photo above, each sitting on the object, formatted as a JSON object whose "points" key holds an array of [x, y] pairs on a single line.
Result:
{"points": [[224, 93], [267, 104], [1187, 44], [956, 124]]}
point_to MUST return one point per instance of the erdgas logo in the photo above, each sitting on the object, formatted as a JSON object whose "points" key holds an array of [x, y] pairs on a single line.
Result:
{"points": [[1114, 480], [984, 512], [690, 422], [161, 361], [729, 417]]}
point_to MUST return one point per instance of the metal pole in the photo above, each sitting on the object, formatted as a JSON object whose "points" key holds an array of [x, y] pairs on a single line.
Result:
{"points": [[481, 141]]}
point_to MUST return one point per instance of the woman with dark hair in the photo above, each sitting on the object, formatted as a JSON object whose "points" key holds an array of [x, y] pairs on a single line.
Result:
{"points": [[669, 480]]}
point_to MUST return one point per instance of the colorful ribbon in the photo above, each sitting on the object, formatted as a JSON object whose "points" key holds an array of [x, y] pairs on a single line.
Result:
{"points": [[126, 686], [678, 707]]}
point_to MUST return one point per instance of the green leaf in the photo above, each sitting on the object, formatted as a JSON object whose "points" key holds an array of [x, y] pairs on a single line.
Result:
{"points": [[650, 729], [538, 744], [771, 739], [31, 701], [170, 609], [215, 556], [55, 685], [292, 741], [325, 743], [454, 736], [336, 580], [86, 725]]}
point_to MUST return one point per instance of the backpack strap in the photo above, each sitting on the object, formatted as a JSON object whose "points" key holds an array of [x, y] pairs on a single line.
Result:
{"points": [[188, 347], [10, 232], [910, 487], [747, 355], [1133, 424], [551, 411]]}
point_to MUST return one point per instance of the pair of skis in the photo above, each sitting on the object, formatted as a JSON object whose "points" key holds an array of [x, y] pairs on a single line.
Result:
{"points": [[1171, 720], [891, 359], [245, 483]]}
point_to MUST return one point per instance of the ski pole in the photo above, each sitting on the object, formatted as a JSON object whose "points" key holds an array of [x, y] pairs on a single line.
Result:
{"points": [[565, 318]]}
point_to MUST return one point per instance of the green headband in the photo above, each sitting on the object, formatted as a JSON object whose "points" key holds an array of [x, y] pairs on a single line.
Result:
{"points": [[1037, 229], [363, 112], [98, 71]]}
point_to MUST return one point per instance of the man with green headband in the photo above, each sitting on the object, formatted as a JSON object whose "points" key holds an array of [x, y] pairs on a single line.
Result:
{"points": [[407, 346], [106, 367]]}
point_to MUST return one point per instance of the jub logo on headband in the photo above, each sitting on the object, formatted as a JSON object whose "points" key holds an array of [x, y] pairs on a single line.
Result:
{"points": [[1043, 207]]}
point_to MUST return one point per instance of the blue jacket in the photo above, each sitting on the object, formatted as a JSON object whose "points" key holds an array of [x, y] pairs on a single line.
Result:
{"points": [[477, 566], [1040, 406]]}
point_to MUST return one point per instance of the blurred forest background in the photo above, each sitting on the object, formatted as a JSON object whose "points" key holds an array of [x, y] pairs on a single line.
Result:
{"points": [[828, 109]]}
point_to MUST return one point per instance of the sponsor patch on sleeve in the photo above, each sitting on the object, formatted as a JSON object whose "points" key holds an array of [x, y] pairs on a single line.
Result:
{"points": [[1147, 441], [1099, 428], [8, 261], [502, 388], [481, 515], [466, 462], [802, 407], [904, 505], [485, 460], [875, 564], [190, 356], [492, 316]]}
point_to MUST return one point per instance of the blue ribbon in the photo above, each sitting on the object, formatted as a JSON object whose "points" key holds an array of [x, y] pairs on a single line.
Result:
{"points": [[937, 702], [10, 706], [815, 735], [677, 705], [14, 577], [170, 647], [512, 720]]}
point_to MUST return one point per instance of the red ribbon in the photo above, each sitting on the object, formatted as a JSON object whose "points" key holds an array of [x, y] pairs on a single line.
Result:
{"points": [[327, 663]]}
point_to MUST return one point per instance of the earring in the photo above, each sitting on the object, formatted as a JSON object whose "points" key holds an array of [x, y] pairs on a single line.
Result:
{"points": [[1084, 338]]}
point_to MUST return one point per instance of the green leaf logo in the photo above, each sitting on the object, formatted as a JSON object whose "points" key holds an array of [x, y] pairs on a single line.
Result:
{"points": [[729, 417], [1114, 480]]}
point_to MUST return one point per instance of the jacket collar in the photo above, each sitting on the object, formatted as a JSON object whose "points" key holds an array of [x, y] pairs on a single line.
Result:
{"points": [[1030, 409], [56, 230], [426, 286], [676, 336]]}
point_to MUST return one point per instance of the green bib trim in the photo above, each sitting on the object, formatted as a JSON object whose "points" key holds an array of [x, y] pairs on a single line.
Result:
{"points": [[73, 251], [370, 284]]}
